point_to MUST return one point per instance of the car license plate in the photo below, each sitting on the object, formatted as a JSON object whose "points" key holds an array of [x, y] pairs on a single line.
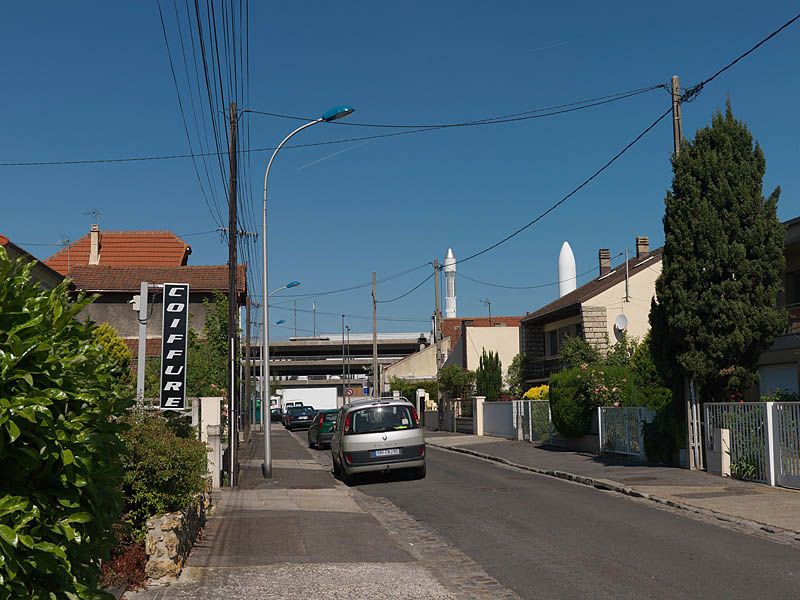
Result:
{"points": [[302, 418], [389, 452]]}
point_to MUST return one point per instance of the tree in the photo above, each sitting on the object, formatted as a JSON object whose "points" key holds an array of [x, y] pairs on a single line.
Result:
{"points": [[723, 261], [116, 348], [576, 351], [489, 376], [515, 378], [408, 388], [457, 382]]}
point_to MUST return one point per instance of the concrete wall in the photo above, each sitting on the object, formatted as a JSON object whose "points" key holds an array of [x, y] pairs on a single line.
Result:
{"points": [[418, 366], [642, 288], [113, 308], [46, 278], [503, 340]]}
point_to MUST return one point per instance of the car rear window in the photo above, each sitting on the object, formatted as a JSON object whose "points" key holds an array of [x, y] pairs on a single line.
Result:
{"points": [[301, 410], [329, 417], [382, 418]]}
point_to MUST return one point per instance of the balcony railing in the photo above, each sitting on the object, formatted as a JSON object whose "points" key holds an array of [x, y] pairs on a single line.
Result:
{"points": [[542, 367]]}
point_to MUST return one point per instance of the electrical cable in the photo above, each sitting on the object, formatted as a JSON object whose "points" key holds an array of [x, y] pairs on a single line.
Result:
{"points": [[509, 118], [415, 288]]}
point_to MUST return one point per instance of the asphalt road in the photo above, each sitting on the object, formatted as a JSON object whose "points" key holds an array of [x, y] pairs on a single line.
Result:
{"points": [[548, 538]]}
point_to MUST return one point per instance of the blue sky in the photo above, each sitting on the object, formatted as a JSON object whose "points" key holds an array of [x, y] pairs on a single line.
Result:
{"points": [[92, 80]]}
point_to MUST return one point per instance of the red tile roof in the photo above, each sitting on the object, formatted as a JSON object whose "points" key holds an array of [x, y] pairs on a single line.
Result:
{"points": [[125, 249], [128, 279], [452, 327]]}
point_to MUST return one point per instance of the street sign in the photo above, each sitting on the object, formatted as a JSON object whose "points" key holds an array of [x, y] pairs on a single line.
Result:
{"points": [[349, 391], [365, 389], [175, 329]]}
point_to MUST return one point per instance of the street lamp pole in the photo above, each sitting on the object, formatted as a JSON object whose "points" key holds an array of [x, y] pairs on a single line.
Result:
{"points": [[332, 115]]}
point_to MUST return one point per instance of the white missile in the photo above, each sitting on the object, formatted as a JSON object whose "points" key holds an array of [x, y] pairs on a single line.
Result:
{"points": [[450, 285], [567, 280]]}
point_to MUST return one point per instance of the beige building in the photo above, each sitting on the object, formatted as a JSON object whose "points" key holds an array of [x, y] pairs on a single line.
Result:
{"points": [[469, 346], [420, 366], [616, 302]]}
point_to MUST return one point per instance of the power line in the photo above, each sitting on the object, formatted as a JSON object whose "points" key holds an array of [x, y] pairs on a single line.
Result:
{"points": [[349, 316], [509, 118], [412, 290], [529, 287]]}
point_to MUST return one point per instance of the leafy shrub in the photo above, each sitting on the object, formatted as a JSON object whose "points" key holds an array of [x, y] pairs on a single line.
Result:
{"points": [[456, 381], [126, 567], [59, 441], [162, 471], [664, 435], [576, 351], [569, 417]]}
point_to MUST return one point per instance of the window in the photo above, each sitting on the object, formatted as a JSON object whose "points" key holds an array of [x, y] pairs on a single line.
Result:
{"points": [[382, 418], [556, 337]]}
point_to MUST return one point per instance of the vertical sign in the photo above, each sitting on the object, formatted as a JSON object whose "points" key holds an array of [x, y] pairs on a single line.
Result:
{"points": [[175, 328]]}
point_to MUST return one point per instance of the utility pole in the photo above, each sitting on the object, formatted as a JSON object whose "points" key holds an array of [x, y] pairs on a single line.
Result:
{"points": [[344, 371], [349, 360], [376, 386], [437, 336], [488, 303], [677, 124], [627, 289], [247, 391], [295, 318], [233, 388], [314, 309]]}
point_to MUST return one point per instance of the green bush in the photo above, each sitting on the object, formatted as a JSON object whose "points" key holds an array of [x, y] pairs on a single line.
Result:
{"points": [[60, 474], [569, 416], [162, 470], [665, 435]]}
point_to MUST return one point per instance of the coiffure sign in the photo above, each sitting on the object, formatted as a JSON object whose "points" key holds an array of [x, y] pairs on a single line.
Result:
{"points": [[173, 346]]}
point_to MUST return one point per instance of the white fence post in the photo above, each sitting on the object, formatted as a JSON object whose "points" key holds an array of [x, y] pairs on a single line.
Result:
{"points": [[477, 418], [600, 427], [769, 451]]}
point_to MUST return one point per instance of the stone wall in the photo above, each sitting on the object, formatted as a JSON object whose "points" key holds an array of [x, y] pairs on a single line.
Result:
{"points": [[171, 537], [595, 328]]}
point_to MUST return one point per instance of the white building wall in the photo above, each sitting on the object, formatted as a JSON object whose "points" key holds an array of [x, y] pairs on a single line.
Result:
{"points": [[503, 340], [642, 288]]}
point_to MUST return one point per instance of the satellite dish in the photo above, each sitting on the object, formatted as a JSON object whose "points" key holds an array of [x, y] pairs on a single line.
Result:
{"points": [[621, 323]]}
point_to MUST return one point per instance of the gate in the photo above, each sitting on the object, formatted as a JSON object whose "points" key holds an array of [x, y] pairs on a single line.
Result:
{"points": [[620, 429], [786, 421], [748, 426]]}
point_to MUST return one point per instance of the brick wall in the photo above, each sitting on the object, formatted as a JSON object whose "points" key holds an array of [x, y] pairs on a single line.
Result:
{"points": [[595, 327]]}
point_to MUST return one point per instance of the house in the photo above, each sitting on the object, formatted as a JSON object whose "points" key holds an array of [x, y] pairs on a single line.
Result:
{"points": [[469, 337], [45, 276], [779, 366], [592, 311], [113, 265]]}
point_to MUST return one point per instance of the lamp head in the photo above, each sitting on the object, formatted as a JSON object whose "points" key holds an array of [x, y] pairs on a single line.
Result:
{"points": [[337, 112], [292, 284], [281, 322]]}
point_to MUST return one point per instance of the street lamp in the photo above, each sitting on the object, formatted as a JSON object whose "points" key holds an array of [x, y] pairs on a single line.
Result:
{"points": [[291, 284], [281, 322], [337, 112]]}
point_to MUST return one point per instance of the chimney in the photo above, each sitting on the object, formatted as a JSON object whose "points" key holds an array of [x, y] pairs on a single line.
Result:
{"points": [[94, 245], [642, 246], [604, 256]]}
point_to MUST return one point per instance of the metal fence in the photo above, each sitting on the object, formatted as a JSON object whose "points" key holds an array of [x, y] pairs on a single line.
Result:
{"points": [[620, 429], [747, 423], [787, 440]]}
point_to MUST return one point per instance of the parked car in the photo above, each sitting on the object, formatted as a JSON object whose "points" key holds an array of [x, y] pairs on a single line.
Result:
{"points": [[321, 430], [299, 416], [285, 410], [380, 434]]}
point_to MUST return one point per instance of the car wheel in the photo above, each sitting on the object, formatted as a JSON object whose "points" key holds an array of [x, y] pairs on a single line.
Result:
{"points": [[336, 468], [347, 478], [420, 472]]}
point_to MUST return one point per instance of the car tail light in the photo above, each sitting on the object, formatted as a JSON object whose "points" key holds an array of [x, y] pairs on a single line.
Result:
{"points": [[349, 458], [421, 451], [347, 425], [415, 416]]}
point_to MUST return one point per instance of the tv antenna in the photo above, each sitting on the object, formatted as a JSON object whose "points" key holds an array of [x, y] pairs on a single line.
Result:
{"points": [[94, 212]]}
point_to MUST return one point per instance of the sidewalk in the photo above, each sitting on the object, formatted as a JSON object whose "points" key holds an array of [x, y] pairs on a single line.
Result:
{"points": [[304, 534], [771, 510]]}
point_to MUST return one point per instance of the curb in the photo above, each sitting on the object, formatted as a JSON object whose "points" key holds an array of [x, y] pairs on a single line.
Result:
{"points": [[786, 536]]}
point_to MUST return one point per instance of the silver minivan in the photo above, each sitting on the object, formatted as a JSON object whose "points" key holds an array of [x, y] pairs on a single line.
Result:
{"points": [[377, 434]]}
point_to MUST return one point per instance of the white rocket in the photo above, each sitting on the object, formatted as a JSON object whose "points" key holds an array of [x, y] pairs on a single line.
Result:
{"points": [[567, 280], [450, 284]]}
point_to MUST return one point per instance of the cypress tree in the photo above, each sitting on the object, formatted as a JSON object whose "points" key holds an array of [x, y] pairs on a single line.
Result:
{"points": [[489, 376], [723, 263]]}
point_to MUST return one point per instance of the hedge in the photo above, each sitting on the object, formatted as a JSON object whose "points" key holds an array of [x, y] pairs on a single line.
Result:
{"points": [[60, 471]]}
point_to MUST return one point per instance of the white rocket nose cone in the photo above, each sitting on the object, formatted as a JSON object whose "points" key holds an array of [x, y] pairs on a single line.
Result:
{"points": [[567, 280]]}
